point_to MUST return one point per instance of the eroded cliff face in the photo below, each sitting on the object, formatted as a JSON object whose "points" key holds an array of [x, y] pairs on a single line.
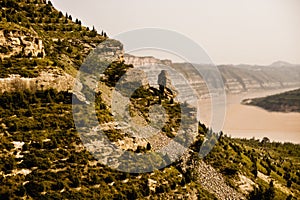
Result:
{"points": [[48, 79], [142, 61], [246, 78], [26, 43], [110, 51], [236, 78], [20, 43]]}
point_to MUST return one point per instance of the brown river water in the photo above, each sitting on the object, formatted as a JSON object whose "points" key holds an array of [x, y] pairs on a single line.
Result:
{"points": [[244, 121]]}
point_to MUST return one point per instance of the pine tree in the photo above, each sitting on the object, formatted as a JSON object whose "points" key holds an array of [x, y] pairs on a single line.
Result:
{"points": [[29, 112], [60, 15], [289, 183], [34, 63], [270, 193], [257, 193], [148, 146], [49, 98]]}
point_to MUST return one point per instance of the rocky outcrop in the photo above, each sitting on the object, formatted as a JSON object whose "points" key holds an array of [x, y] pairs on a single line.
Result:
{"points": [[14, 43], [165, 83], [109, 51], [61, 81], [132, 80]]}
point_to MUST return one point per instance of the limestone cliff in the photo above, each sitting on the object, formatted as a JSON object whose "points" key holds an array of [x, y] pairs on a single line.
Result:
{"points": [[58, 80], [146, 60], [236, 78]]}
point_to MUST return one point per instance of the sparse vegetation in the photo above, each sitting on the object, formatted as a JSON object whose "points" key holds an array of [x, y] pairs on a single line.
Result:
{"points": [[58, 165], [279, 161]]}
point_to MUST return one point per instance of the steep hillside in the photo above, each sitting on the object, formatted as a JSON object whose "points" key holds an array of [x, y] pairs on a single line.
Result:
{"points": [[42, 155]]}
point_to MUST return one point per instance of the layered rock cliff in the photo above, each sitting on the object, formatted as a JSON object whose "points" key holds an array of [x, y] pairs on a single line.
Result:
{"points": [[146, 60], [236, 78]]}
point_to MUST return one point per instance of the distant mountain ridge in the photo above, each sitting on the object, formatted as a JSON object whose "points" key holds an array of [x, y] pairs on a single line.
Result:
{"points": [[280, 64]]}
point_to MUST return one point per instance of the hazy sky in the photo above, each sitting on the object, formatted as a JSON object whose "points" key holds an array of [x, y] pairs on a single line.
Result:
{"points": [[230, 31]]}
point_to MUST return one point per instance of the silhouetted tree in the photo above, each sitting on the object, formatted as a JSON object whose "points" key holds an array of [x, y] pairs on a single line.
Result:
{"points": [[265, 140], [60, 15], [270, 193], [289, 183], [148, 146]]}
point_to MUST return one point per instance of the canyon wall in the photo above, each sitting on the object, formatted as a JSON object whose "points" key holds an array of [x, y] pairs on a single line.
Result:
{"points": [[184, 76], [236, 78]]}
